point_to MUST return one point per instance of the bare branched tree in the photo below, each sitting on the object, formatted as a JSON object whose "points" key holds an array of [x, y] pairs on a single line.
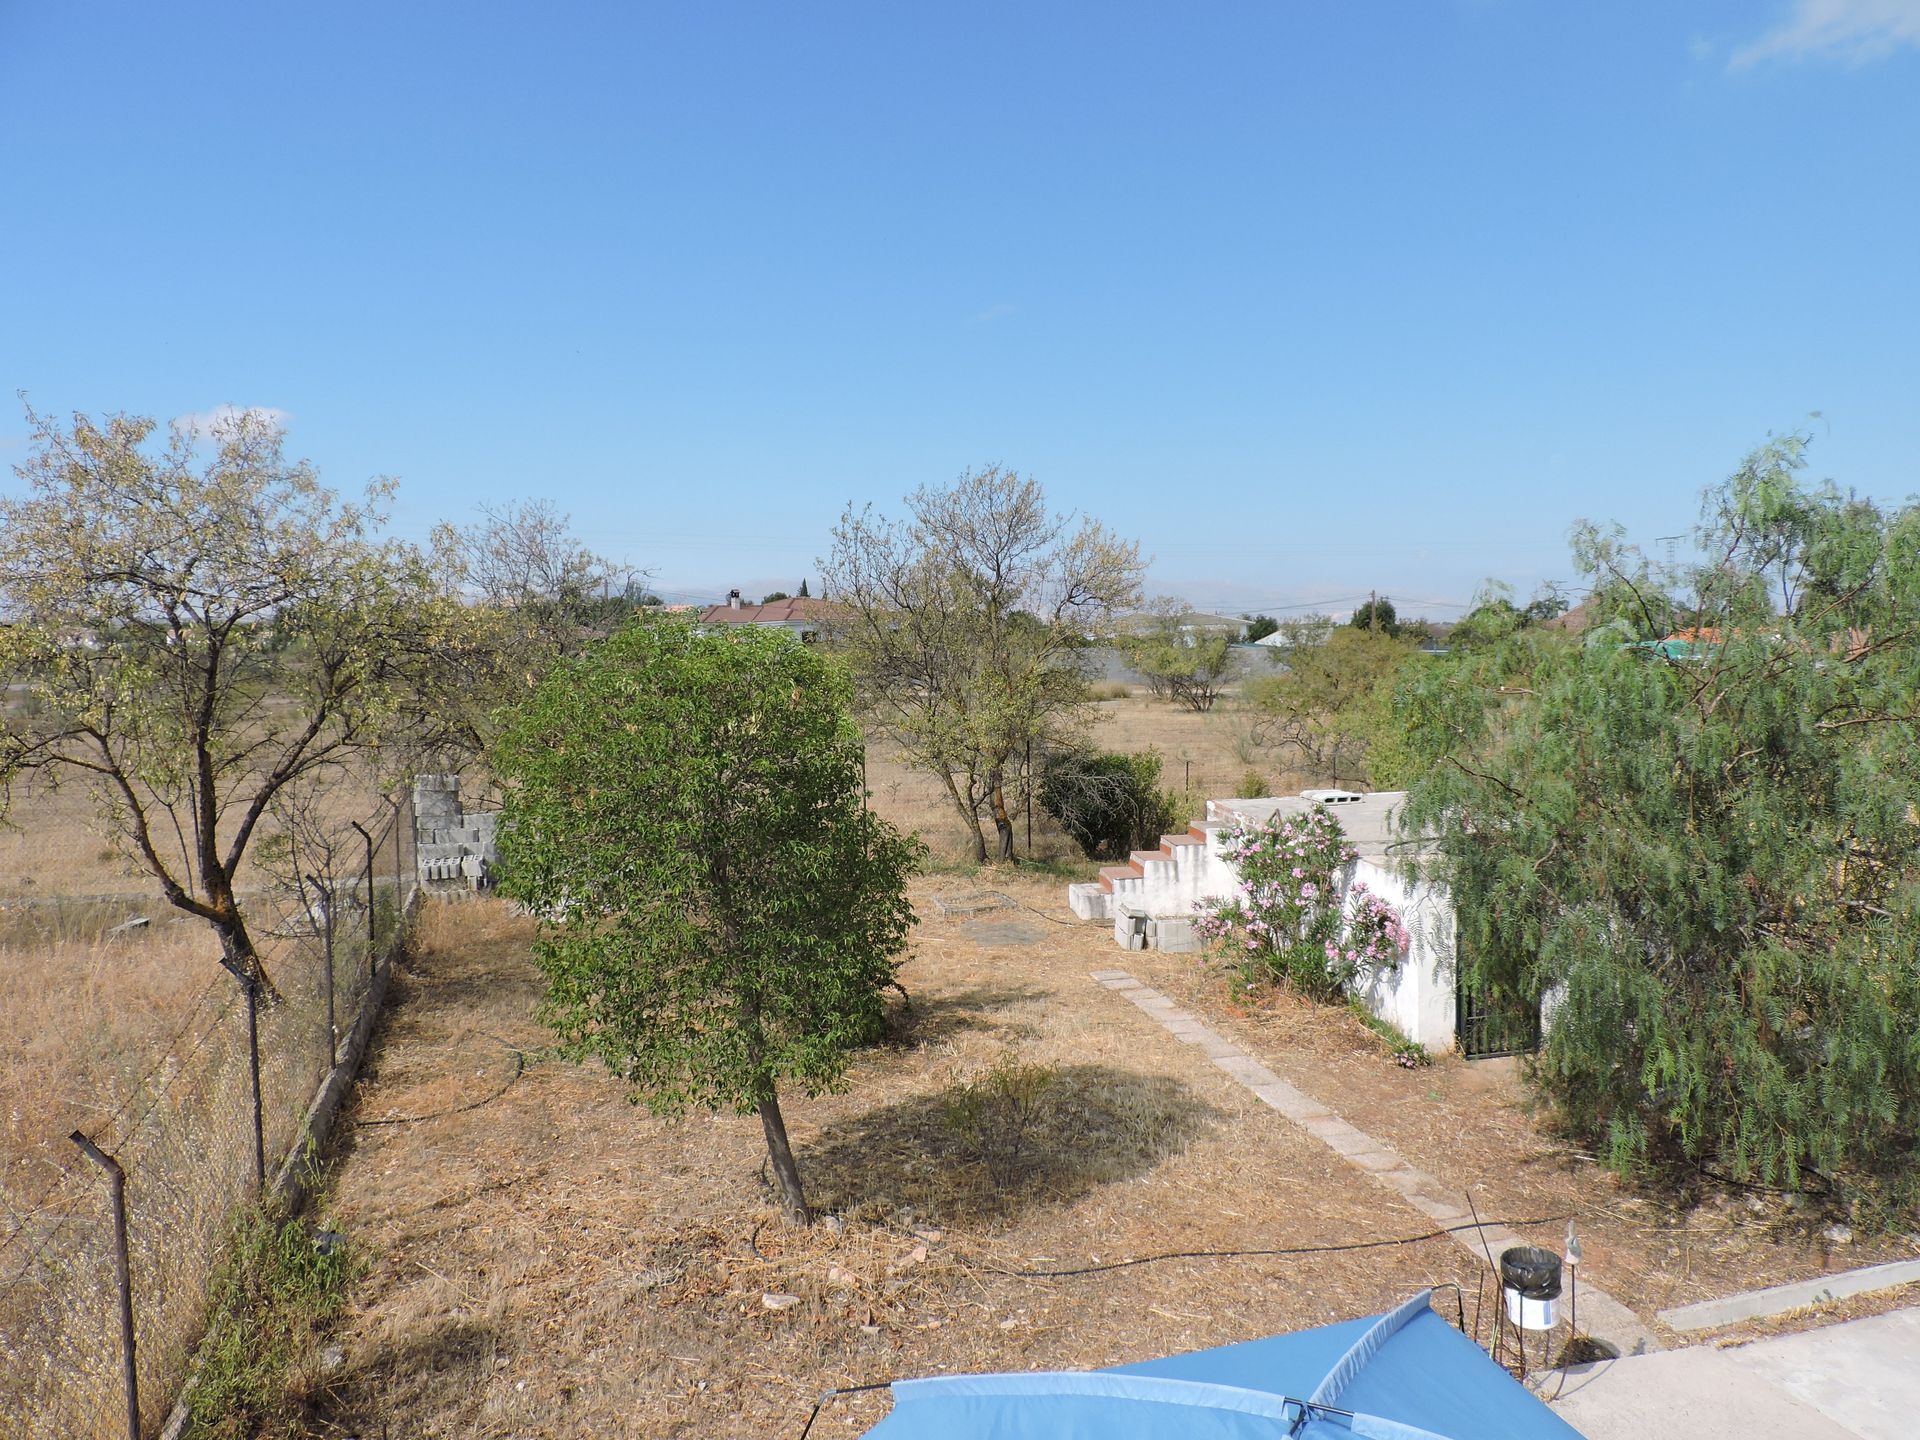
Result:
{"points": [[966, 625], [534, 594]]}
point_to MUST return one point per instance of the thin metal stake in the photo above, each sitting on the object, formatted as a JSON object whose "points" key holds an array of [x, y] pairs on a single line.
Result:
{"points": [[1029, 799], [251, 987], [117, 1184]]}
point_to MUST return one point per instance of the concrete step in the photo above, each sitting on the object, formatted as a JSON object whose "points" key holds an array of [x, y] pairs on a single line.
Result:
{"points": [[1141, 858], [1111, 873], [1169, 842]]}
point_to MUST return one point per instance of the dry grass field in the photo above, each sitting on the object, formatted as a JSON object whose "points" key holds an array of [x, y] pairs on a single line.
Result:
{"points": [[79, 1018], [84, 1014], [545, 1259], [86, 1009], [548, 1260]]}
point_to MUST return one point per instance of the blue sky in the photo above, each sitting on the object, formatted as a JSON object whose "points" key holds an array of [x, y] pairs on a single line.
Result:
{"points": [[1311, 299]]}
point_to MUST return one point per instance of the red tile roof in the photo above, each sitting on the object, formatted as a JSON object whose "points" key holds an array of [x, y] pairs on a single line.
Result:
{"points": [[801, 610]]}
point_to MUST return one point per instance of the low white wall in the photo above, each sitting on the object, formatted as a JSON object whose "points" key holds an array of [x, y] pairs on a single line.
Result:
{"points": [[1417, 997]]}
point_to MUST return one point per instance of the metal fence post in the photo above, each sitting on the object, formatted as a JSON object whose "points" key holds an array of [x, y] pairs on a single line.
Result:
{"points": [[251, 988], [399, 884], [366, 835], [333, 1030], [117, 1184]]}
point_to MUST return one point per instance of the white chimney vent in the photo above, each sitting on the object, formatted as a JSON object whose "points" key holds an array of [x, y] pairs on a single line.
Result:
{"points": [[1332, 797]]}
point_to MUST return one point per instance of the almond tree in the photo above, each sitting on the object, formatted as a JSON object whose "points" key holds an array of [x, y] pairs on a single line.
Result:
{"points": [[193, 630], [719, 910]]}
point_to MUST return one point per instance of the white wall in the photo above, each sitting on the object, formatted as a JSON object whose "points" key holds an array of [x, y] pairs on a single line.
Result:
{"points": [[1416, 998]]}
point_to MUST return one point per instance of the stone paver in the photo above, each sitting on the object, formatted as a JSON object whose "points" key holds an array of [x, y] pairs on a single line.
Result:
{"points": [[1605, 1318]]}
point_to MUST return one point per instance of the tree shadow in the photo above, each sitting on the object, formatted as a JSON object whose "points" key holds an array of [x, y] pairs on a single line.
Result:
{"points": [[427, 1371], [914, 1020], [1095, 1125]]}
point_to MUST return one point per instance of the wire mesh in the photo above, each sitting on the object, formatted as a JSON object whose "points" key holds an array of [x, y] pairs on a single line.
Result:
{"points": [[184, 1136]]}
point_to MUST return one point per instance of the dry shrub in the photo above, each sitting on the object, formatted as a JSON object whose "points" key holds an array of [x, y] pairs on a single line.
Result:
{"points": [[993, 1114]]}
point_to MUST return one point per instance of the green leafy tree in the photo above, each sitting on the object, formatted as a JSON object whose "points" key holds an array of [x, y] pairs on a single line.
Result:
{"points": [[1109, 803], [1709, 863], [201, 637], [720, 912], [966, 626], [1259, 627], [1494, 617], [775, 597], [1377, 614], [1185, 666], [1331, 706]]}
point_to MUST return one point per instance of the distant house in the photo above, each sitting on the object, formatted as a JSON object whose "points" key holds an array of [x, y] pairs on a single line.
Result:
{"points": [[802, 616]]}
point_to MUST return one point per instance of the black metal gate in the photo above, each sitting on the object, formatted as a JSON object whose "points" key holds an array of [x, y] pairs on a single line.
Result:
{"points": [[1486, 1027]]}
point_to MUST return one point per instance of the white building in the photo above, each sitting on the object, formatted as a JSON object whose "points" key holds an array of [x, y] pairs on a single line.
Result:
{"points": [[1152, 898]]}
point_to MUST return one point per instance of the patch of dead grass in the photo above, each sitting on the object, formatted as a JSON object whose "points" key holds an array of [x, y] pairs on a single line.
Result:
{"points": [[80, 1020]]}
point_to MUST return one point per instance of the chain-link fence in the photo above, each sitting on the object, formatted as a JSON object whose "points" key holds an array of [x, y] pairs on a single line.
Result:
{"points": [[192, 1140]]}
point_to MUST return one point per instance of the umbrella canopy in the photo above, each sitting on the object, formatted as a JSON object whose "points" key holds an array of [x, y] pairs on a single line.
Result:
{"points": [[1404, 1375]]}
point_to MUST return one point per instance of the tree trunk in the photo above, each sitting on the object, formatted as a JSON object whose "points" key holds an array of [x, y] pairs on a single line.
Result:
{"points": [[969, 816], [793, 1199], [236, 946], [1002, 821]]}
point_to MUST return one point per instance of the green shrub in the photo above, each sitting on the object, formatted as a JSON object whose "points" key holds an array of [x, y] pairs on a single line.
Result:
{"points": [[1109, 803], [993, 1114], [269, 1305], [1409, 1054], [1252, 785]]}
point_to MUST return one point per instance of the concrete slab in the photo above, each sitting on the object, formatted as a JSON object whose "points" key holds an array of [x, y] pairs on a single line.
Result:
{"points": [[1778, 1299], [1003, 934], [1249, 1072], [1697, 1394], [1863, 1374]]}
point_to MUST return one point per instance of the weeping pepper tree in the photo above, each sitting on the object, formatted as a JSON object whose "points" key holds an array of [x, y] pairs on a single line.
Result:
{"points": [[1703, 848], [720, 912]]}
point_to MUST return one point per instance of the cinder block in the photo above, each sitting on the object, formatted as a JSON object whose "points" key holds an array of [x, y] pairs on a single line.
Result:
{"points": [[1174, 935]]}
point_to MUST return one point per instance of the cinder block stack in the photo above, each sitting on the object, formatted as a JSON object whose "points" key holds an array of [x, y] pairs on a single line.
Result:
{"points": [[454, 846]]}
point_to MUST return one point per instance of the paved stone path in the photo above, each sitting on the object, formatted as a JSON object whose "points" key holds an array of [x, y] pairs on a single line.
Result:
{"points": [[1601, 1316]]}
